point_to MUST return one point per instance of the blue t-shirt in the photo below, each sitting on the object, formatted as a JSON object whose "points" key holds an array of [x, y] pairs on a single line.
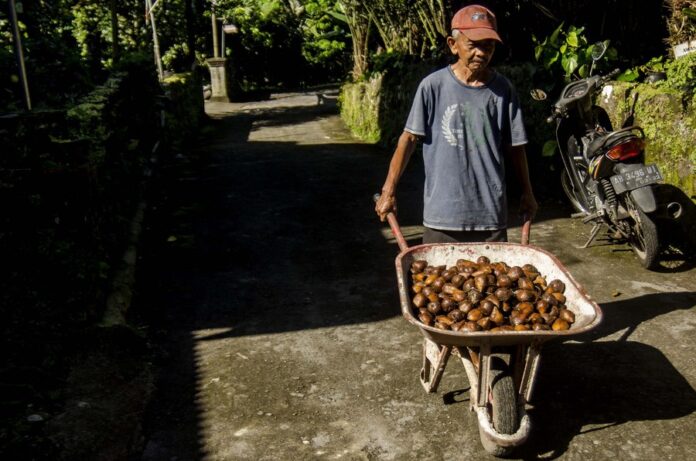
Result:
{"points": [[465, 129]]}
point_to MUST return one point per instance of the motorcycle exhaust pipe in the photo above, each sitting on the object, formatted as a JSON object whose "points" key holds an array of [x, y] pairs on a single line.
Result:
{"points": [[674, 210]]}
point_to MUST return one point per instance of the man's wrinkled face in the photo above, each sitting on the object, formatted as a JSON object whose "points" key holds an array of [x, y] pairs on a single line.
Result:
{"points": [[475, 55]]}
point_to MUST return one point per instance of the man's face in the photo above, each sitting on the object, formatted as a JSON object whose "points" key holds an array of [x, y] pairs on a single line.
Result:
{"points": [[474, 55]]}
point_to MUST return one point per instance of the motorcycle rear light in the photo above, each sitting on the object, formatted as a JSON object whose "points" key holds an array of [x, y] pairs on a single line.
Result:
{"points": [[629, 149]]}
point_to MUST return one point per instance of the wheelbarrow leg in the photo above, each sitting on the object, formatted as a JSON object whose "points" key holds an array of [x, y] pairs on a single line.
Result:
{"points": [[434, 362], [483, 375], [528, 371]]}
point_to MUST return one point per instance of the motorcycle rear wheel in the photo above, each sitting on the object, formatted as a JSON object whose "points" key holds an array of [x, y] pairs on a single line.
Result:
{"points": [[643, 238]]}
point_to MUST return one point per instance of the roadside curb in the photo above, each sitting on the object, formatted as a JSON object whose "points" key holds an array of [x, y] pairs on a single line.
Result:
{"points": [[111, 381], [119, 300]]}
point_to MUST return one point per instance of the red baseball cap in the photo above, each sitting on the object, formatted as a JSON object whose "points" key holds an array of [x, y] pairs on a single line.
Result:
{"points": [[476, 22]]}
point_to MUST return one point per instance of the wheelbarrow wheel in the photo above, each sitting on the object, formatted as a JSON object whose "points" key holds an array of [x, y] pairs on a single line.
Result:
{"points": [[502, 408]]}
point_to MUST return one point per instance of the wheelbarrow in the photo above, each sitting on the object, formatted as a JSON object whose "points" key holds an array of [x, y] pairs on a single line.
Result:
{"points": [[500, 366]]}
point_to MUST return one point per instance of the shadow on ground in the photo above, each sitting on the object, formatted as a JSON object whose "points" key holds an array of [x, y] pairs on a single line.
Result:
{"points": [[591, 386], [258, 238], [254, 238]]}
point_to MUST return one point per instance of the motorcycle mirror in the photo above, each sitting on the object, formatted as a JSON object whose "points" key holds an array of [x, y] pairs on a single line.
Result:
{"points": [[538, 94], [598, 50]]}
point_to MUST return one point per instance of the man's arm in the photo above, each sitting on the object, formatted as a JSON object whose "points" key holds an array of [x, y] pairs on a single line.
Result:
{"points": [[402, 154], [518, 158]]}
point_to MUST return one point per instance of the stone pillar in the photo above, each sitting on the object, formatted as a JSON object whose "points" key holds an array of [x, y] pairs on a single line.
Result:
{"points": [[219, 83]]}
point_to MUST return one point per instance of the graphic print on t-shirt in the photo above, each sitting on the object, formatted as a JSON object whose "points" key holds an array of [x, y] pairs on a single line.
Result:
{"points": [[458, 116], [452, 135]]}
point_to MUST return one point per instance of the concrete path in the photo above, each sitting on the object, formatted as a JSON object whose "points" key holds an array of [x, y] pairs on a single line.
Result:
{"points": [[269, 287]]}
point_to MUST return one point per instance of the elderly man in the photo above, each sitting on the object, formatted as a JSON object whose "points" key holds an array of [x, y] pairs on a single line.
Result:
{"points": [[470, 122]]}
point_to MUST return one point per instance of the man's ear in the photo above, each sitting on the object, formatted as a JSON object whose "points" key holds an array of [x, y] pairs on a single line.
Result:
{"points": [[452, 43]]}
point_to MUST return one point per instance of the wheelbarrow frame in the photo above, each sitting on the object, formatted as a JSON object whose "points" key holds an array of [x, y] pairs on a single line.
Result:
{"points": [[478, 349]]}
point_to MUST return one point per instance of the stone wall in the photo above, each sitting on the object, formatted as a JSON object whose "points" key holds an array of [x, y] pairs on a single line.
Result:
{"points": [[669, 123], [359, 103], [376, 109]]}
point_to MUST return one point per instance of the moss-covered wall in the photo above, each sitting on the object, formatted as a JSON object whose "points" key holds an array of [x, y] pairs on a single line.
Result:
{"points": [[359, 103], [669, 123], [376, 109]]}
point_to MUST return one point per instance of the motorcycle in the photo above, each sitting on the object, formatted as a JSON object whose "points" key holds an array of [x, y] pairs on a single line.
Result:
{"points": [[605, 176]]}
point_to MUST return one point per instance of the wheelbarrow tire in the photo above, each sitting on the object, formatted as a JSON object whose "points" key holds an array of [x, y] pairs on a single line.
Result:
{"points": [[502, 409]]}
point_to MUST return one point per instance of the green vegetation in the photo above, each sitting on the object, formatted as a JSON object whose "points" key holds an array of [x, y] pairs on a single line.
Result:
{"points": [[569, 50], [73, 170], [185, 112], [681, 74], [655, 64], [70, 45], [375, 108], [285, 43]]}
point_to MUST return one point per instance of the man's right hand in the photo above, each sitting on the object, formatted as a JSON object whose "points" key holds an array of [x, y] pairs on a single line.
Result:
{"points": [[384, 205]]}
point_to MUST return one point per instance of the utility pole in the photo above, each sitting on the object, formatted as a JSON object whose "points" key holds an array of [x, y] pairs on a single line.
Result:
{"points": [[217, 66], [216, 51], [155, 41], [115, 52], [19, 54]]}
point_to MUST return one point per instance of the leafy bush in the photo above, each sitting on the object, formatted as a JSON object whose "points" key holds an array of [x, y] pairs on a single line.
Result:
{"points": [[304, 40], [569, 51], [176, 57], [389, 61], [325, 37], [681, 73]]}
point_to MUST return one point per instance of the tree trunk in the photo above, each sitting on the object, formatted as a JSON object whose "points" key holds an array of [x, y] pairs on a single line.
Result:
{"points": [[115, 49], [190, 31], [359, 24]]}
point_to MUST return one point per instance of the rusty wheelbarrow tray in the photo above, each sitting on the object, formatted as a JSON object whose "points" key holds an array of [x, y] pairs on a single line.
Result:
{"points": [[501, 366]]}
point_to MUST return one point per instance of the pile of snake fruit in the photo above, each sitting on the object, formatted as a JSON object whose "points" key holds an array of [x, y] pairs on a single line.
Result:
{"points": [[488, 296]]}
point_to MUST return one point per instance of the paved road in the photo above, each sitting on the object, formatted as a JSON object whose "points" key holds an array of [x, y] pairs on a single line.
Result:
{"points": [[269, 289]]}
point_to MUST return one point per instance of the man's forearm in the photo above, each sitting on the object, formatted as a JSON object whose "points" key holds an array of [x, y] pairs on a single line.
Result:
{"points": [[404, 148], [518, 157]]}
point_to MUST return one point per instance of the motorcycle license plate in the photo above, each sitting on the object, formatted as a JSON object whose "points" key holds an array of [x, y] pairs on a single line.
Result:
{"points": [[630, 180]]}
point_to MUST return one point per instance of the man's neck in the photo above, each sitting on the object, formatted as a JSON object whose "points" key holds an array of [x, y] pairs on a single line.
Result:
{"points": [[469, 77]]}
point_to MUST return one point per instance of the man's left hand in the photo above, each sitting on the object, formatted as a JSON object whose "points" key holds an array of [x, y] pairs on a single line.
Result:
{"points": [[528, 205]]}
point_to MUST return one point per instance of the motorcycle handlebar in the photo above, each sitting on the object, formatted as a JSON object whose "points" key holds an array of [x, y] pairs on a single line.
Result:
{"points": [[610, 75], [556, 112], [598, 82]]}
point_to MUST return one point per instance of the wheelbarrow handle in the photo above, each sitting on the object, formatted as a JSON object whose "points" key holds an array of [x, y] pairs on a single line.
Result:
{"points": [[526, 229], [394, 224]]}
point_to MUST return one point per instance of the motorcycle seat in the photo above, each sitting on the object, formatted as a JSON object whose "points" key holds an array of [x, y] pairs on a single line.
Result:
{"points": [[602, 143]]}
